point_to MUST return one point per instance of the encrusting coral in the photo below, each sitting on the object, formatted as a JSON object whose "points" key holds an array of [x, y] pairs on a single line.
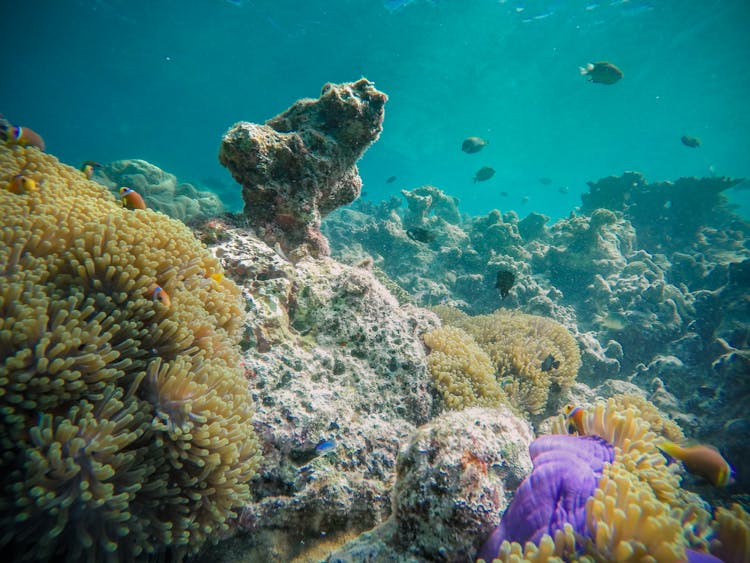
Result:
{"points": [[125, 421], [519, 346]]}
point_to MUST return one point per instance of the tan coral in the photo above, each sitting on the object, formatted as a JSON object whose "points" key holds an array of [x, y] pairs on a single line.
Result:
{"points": [[635, 447], [658, 423], [518, 344], [139, 409], [732, 541], [549, 550], [628, 523], [462, 372]]}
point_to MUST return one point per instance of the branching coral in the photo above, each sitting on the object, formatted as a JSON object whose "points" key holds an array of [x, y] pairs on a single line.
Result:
{"points": [[518, 345], [125, 421]]}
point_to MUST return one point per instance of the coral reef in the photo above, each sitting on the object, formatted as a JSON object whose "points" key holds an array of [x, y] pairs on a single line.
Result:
{"points": [[503, 351], [301, 165], [452, 479], [126, 423], [646, 299], [160, 189], [675, 209], [333, 357], [428, 201]]}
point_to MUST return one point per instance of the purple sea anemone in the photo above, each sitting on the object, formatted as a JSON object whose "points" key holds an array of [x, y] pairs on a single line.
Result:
{"points": [[566, 473]]}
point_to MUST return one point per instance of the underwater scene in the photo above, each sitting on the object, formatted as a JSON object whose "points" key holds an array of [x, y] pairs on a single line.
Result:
{"points": [[375, 281]]}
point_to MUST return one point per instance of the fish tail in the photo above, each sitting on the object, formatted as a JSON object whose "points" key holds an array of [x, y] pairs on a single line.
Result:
{"points": [[670, 450]]}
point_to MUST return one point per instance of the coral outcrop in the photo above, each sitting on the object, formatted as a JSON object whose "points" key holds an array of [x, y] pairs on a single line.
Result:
{"points": [[301, 165], [333, 358], [125, 421], [160, 189], [452, 480]]}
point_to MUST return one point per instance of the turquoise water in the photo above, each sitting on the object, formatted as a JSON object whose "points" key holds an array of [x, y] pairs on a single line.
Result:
{"points": [[162, 80]]}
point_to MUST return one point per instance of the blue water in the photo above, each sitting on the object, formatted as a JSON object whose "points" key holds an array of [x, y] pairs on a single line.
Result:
{"points": [[162, 80]]}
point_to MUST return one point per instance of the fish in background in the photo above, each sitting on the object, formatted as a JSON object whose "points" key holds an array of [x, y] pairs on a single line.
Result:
{"points": [[89, 167], [504, 282], [545, 181], [563, 189], [473, 145], [420, 234], [601, 72], [484, 174], [390, 179], [692, 142]]}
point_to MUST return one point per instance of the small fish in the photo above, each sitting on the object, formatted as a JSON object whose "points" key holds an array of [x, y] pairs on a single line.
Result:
{"points": [[420, 234], [131, 199], [23, 136], [549, 363], [156, 293], [563, 189], [545, 181], [504, 282], [601, 72], [325, 446], [702, 460], [484, 174], [21, 184], [390, 179], [88, 168], [524, 200], [574, 418], [472, 145], [614, 321], [692, 142], [504, 194]]}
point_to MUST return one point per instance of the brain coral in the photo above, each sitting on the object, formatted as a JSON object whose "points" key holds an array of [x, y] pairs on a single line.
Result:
{"points": [[125, 420], [517, 345]]}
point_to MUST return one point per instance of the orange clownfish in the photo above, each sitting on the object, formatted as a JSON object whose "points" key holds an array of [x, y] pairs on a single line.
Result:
{"points": [[88, 168], [21, 184], [704, 461], [574, 418], [17, 135], [158, 294], [131, 199]]}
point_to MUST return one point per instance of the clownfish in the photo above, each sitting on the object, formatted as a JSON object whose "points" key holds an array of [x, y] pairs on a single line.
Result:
{"points": [[131, 199], [21, 184], [158, 294], [88, 168], [17, 135], [574, 418], [704, 461]]}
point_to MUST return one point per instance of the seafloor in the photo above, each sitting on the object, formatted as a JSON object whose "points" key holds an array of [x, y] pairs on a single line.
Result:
{"points": [[333, 379]]}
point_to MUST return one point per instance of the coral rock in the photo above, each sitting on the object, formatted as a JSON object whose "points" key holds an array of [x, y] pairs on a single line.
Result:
{"points": [[301, 165]]}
